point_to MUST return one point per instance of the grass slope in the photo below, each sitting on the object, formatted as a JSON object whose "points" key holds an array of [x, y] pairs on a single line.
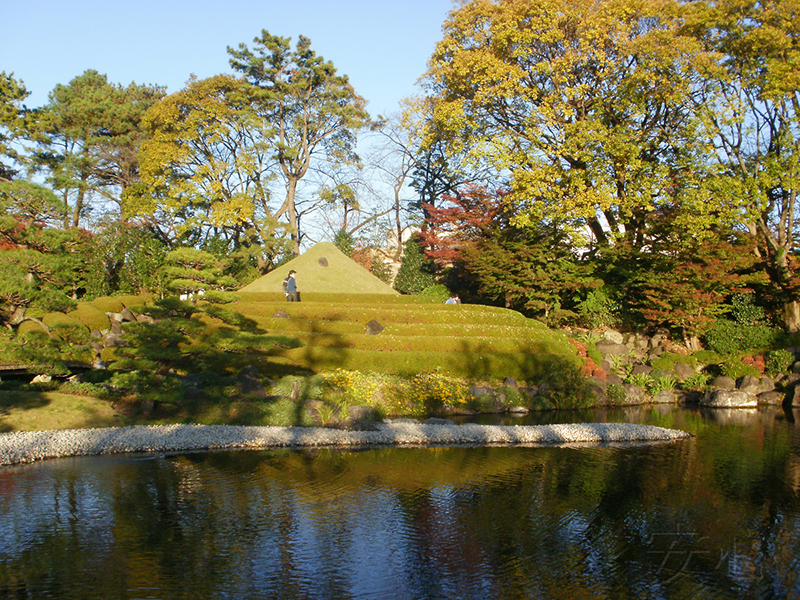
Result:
{"points": [[341, 275]]}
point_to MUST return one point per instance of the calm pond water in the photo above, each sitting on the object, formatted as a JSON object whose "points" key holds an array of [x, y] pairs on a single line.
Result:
{"points": [[717, 516]]}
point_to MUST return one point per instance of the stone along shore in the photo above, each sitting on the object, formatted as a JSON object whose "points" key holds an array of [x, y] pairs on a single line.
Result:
{"points": [[26, 447]]}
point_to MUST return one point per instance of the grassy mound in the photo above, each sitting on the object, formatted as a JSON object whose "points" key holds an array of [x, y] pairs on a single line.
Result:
{"points": [[466, 341], [323, 269]]}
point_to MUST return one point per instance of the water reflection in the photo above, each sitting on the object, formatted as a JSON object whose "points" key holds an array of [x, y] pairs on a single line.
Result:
{"points": [[715, 516]]}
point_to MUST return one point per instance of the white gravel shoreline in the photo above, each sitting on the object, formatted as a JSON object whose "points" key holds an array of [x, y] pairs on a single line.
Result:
{"points": [[26, 447]]}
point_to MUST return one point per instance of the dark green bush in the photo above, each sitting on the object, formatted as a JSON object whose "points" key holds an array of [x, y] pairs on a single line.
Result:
{"points": [[779, 361], [730, 337]]}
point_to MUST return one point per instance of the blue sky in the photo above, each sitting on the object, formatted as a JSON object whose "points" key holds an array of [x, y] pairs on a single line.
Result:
{"points": [[382, 46]]}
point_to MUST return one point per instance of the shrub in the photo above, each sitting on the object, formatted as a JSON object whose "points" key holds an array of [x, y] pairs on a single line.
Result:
{"points": [[437, 291], [565, 386], [730, 337], [735, 369], [616, 393], [219, 297], [643, 380], [415, 272], [91, 316], [667, 382], [598, 309], [697, 382], [779, 361], [359, 388]]}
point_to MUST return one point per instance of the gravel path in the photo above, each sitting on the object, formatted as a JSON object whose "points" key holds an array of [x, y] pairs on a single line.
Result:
{"points": [[25, 447]]}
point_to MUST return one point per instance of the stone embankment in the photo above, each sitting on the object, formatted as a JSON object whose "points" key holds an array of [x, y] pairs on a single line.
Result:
{"points": [[26, 447]]}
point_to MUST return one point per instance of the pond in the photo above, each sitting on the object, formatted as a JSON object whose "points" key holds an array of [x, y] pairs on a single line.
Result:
{"points": [[715, 516]]}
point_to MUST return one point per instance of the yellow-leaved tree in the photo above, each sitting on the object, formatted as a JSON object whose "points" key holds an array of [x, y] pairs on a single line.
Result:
{"points": [[581, 104]]}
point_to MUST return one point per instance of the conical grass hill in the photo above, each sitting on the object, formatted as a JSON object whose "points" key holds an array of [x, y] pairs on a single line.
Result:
{"points": [[323, 269]]}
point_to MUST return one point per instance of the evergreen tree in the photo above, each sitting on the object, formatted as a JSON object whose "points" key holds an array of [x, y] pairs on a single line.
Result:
{"points": [[416, 271]]}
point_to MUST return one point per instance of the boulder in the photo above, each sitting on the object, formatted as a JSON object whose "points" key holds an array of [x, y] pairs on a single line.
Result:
{"points": [[683, 371], [609, 348], [479, 391], [42, 379], [655, 341], [599, 389], [145, 319], [518, 410], [361, 413], [665, 397], [373, 328], [794, 396], [723, 383], [751, 384], [510, 382], [127, 315], [613, 336], [281, 314], [641, 370], [322, 262], [767, 384], [613, 378], [113, 339], [194, 393], [634, 394], [771, 398], [727, 398]]}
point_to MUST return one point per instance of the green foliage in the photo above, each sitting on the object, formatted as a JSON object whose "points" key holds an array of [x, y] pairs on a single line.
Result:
{"points": [[437, 291], [697, 382], [744, 311], [730, 337], [218, 297], [88, 135], [172, 307], [736, 369], [643, 380], [779, 361], [90, 316], [667, 382], [123, 258], [416, 271], [310, 114], [381, 270], [616, 393], [360, 389], [565, 386], [598, 309], [533, 270], [345, 242]]}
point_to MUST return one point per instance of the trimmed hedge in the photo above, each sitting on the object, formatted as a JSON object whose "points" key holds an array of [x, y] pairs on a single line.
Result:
{"points": [[117, 303], [469, 366], [368, 299], [91, 316]]}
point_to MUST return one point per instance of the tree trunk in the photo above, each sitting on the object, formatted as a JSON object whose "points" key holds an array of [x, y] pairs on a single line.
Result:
{"points": [[792, 316], [291, 212]]}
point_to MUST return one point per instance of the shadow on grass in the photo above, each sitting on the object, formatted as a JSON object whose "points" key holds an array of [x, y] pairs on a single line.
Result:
{"points": [[11, 400]]}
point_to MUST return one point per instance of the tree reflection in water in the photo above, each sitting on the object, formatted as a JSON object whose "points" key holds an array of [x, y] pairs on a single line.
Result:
{"points": [[712, 517]]}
